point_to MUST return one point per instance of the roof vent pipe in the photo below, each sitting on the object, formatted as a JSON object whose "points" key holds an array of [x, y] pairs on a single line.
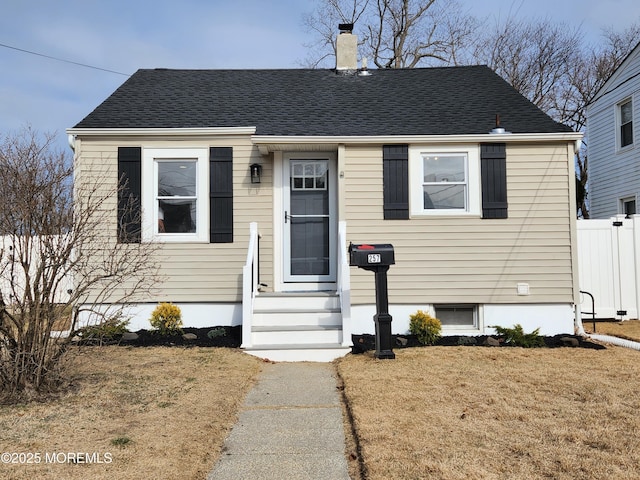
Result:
{"points": [[498, 129], [364, 71]]}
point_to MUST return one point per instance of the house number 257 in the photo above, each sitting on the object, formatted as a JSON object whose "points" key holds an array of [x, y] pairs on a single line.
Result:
{"points": [[373, 258]]}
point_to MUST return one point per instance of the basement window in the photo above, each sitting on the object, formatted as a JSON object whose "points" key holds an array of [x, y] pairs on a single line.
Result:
{"points": [[461, 316]]}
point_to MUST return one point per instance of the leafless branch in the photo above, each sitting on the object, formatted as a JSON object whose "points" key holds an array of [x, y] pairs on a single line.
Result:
{"points": [[58, 251]]}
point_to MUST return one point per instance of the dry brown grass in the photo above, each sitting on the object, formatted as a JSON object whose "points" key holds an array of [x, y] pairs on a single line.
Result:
{"points": [[160, 413], [436, 412], [488, 413], [629, 329]]}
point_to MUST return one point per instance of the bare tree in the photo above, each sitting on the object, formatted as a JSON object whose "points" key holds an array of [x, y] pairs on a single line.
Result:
{"points": [[57, 254], [551, 65], [394, 33], [535, 57], [547, 62], [323, 23]]}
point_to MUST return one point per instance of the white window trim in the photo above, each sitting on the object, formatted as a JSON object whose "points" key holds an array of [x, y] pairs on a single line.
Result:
{"points": [[619, 124], [477, 316], [416, 202], [149, 182]]}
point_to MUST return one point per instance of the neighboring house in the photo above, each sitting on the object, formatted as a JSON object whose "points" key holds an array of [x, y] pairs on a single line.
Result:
{"points": [[482, 220], [614, 142]]}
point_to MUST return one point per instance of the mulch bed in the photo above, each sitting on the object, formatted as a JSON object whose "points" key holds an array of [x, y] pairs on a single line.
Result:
{"points": [[229, 337], [366, 342]]}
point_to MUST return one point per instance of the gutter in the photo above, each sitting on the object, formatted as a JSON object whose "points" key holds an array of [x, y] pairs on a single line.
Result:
{"points": [[267, 141], [154, 132], [270, 143]]}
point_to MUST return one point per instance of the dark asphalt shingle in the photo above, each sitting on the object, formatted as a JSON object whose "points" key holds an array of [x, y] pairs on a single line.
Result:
{"points": [[426, 101]]}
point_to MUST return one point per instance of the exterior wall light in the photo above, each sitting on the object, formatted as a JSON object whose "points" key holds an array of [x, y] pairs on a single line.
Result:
{"points": [[256, 172]]}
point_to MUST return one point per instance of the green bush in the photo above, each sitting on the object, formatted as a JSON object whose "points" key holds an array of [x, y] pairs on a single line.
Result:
{"points": [[425, 327], [216, 332], [516, 337], [167, 319], [108, 331]]}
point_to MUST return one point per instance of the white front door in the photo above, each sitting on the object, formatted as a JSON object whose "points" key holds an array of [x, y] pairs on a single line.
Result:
{"points": [[310, 227]]}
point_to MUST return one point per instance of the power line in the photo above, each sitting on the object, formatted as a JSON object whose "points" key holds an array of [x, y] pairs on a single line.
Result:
{"points": [[63, 60]]}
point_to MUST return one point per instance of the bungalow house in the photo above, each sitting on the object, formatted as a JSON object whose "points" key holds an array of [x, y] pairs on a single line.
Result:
{"points": [[614, 177], [256, 181]]}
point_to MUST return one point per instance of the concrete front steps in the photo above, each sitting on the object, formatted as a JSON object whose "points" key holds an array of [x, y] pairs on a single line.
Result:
{"points": [[297, 327]]}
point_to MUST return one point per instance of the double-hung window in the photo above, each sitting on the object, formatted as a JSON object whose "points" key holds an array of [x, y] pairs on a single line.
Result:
{"points": [[175, 197], [626, 123], [444, 181]]}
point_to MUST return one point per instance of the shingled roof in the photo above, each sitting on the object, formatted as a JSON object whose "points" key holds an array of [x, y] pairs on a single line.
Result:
{"points": [[315, 102]]}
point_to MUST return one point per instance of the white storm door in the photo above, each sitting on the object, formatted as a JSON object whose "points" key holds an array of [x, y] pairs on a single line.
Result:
{"points": [[310, 227]]}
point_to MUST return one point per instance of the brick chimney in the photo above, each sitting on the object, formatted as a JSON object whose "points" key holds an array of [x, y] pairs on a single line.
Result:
{"points": [[346, 49]]}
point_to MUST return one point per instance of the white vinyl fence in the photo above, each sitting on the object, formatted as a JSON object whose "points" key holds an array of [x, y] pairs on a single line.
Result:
{"points": [[609, 267], [12, 280]]}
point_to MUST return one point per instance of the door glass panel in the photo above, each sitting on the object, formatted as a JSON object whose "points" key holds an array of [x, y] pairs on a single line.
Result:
{"points": [[310, 246], [309, 229], [309, 202]]}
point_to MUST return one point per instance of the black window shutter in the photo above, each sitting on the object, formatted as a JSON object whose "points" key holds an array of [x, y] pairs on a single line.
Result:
{"points": [[395, 174], [493, 172], [129, 194], [221, 194]]}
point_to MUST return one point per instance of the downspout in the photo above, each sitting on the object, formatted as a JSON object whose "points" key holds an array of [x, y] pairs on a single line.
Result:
{"points": [[578, 322], [620, 342], [72, 142]]}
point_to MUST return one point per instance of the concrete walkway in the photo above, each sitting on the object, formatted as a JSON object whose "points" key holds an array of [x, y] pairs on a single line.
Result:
{"points": [[290, 426]]}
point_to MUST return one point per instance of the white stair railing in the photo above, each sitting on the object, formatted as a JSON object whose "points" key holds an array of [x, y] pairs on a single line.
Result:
{"points": [[249, 285], [344, 284]]}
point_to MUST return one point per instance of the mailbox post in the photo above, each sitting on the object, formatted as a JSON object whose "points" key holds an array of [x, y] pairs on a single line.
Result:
{"points": [[377, 259]]}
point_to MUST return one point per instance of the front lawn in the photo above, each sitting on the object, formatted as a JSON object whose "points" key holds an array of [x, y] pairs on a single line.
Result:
{"points": [[130, 413], [432, 413], [488, 413]]}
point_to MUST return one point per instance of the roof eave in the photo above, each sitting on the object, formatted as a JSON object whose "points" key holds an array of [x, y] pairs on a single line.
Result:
{"points": [[270, 143], [156, 132]]}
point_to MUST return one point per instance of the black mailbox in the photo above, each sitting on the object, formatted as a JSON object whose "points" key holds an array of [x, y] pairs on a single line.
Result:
{"points": [[367, 255], [376, 258]]}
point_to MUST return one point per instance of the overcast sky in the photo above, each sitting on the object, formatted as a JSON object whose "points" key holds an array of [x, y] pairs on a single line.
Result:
{"points": [[122, 36]]}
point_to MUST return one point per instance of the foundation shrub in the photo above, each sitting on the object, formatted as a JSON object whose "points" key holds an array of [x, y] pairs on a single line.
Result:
{"points": [[516, 337], [106, 332], [167, 319], [425, 327]]}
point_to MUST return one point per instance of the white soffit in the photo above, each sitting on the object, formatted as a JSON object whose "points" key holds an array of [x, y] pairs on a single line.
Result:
{"points": [[267, 143]]}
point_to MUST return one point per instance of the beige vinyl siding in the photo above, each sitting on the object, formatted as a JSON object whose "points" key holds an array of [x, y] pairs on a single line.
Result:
{"points": [[199, 272], [468, 259]]}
